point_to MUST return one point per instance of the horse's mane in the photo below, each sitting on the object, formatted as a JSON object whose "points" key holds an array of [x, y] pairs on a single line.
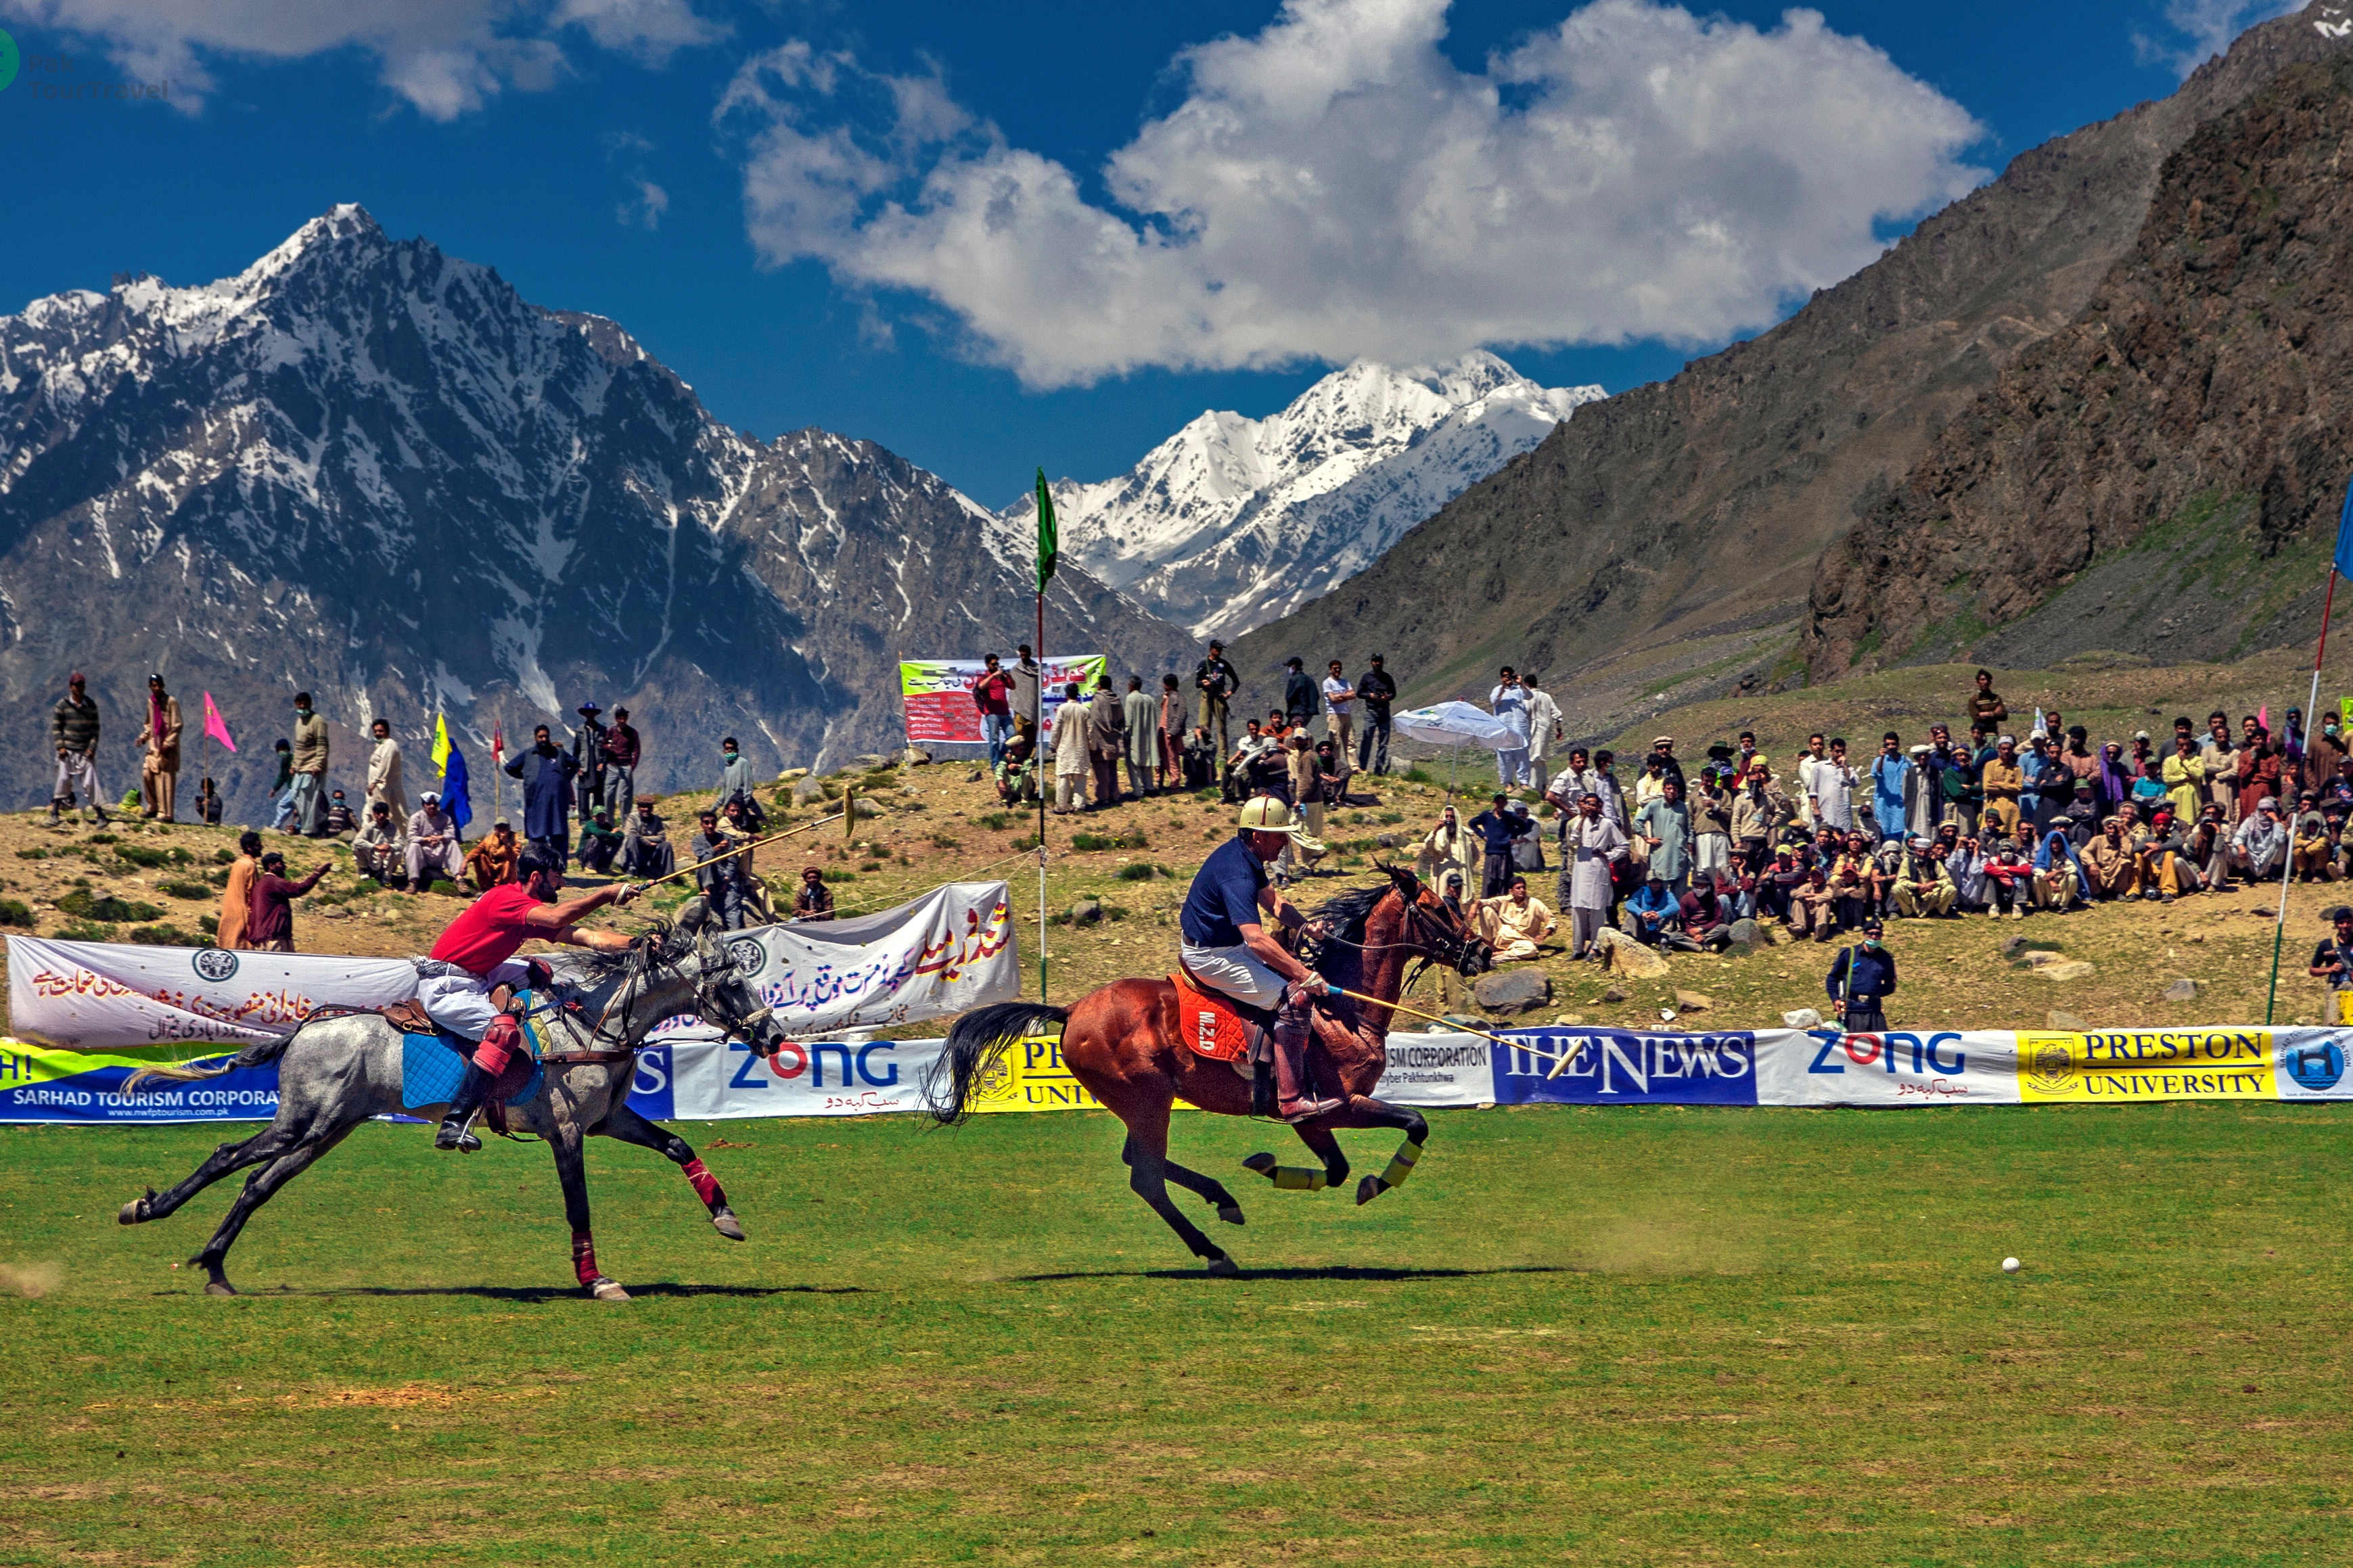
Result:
{"points": [[1345, 914], [589, 967]]}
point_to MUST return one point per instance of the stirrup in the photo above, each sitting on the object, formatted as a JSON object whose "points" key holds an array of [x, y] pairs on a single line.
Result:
{"points": [[455, 1133]]}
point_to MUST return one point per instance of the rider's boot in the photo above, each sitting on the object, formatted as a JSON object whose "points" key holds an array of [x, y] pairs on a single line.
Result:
{"points": [[1295, 1097], [472, 1088]]}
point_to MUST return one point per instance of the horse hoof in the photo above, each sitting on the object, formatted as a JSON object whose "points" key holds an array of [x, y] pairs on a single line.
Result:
{"points": [[608, 1290], [1223, 1268], [1368, 1189], [725, 1223], [1230, 1212], [135, 1211], [220, 1287], [1263, 1163]]}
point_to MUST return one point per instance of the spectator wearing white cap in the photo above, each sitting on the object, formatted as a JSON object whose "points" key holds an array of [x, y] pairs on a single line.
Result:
{"points": [[433, 845]]}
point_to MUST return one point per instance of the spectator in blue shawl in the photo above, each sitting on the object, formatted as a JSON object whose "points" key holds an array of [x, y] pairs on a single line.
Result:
{"points": [[2059, 878], [1890, 771]]}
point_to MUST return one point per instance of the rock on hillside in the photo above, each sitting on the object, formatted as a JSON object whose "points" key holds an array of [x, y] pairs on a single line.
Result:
{"points": [[1697, 507], [374, 472], [2158, 477]]}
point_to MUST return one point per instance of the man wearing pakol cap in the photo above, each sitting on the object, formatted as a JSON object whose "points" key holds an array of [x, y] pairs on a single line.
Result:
{"points": [[73, 732], [159, 762], [433, 846], [1860, 980]]}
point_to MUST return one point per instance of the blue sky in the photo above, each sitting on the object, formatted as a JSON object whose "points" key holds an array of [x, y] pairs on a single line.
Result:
{"points": [[720, 179]]}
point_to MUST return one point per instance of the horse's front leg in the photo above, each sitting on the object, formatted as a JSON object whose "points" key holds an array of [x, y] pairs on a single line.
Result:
{"points": [[571, 1170], [627, 1126], [1364, 1110]]}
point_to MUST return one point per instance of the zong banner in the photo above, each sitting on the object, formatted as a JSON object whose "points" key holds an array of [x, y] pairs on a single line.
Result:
{"points": [[937, 693]]}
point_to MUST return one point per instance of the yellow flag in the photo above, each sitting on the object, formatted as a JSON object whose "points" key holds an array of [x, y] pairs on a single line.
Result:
{"points": [[440, 742]]}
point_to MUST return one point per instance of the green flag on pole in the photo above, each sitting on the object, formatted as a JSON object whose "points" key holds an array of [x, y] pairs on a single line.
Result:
{"points": [[1045, 534]]}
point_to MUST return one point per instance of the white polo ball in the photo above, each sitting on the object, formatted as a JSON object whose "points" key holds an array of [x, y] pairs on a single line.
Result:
{"points": [[2011, 1266]]}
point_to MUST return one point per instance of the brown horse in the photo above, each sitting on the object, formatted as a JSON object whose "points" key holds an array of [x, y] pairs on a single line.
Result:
{"points": [[1125, 1044]]}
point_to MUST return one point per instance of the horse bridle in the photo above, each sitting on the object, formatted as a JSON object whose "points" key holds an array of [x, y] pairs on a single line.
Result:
{"points": [[643, 954], [1434, 942]]}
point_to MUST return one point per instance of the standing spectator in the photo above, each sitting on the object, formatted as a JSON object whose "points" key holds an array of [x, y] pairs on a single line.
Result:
{"points": [[1664, 824], [310, 770], [208, 805], [73, 731], [1833, 801], [492, 861], [236, 896], [546, 769], [379, 849], [281, 789], [600, 843], [736, 782], [622, 748], [814, 901], [1339, 705], [1509, 701], [1590, 852], [1169, 718], [269, 912], [159, 763], [1300, 700], [1026, 693], [724, 878], [2004, 781], [1141, 714], [1497, 827], [1106, 726], [433, 848], [1070, 753], [2220, 753], [1217, 682], [1986, 705], [1543, 728], [387, 780], [645, 843], [1375, 690], [1710, 808], [1809, 787], [1891, 783], [1860, 981], [1953, 780], [2332, 959], [2326, 754], [993, 695], [2259, 771], [1445, 850], [591, 751], [1759, 811]]}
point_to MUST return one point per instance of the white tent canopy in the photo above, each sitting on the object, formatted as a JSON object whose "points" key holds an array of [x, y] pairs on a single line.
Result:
{"points": [[1458, 724]]}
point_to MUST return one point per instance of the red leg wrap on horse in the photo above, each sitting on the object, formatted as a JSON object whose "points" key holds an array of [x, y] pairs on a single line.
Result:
{"points": [[706, 1186], [499, 1042], [583, 1257]]}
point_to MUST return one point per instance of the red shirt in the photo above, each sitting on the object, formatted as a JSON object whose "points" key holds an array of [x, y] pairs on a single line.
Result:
{"points": [[487, 933], [993, 692]]}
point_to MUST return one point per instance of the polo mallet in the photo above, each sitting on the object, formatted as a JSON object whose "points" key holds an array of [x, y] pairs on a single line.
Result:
{"points": [[739, 849]]}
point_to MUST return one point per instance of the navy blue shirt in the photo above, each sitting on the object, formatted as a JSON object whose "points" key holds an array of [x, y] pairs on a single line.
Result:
{"points": [[1497, 832], [1224, 895], [1875, 973]]}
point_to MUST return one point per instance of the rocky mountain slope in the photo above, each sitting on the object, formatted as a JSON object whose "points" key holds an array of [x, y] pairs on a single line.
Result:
{"points": [[1662, 544], [372, 471], [2161, 478], [1232, 521]]}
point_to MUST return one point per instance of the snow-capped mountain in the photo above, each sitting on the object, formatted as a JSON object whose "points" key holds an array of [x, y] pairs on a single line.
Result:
{"points": [[371, 472], [1232, 522]]}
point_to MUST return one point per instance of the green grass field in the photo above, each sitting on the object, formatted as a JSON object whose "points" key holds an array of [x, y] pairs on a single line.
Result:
{"points": [[1640, 1336]]}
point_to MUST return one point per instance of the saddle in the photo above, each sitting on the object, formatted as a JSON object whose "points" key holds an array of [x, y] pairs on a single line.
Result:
{"points": [[1213, 1025]]}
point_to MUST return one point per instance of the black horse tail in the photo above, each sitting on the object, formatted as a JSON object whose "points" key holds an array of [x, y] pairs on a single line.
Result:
{"points": [[261, 1053], [977, 1042]]}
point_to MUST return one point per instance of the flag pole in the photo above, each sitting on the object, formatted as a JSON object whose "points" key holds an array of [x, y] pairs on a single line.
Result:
{"points": [[2311, 712], [1048, 548]]}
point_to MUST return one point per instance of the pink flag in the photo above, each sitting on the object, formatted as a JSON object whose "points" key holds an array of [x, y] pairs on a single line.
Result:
{"points": [[2264, 717], [214, 725]]}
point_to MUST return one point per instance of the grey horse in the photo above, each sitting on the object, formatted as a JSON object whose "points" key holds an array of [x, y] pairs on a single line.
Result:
{"points": [[336, 1073]]}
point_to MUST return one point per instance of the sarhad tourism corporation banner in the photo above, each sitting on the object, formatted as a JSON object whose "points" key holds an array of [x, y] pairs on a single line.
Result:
{"points": [[937, 693], [88, 1014]]}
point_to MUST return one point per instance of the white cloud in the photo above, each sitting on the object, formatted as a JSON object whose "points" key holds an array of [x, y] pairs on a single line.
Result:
{"points": [[444, 56], [2208, 26], [645, 209], [1333, 187]]}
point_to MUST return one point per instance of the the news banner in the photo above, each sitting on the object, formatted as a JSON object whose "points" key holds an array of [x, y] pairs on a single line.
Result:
{"points": [[87, 1014]]}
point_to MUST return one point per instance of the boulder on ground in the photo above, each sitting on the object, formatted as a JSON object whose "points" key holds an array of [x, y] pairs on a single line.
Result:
{"points": [[2182, 990], [1616, 994], [1568, 1021], [789, 774], [1746, 934], [806, 790], [1386, 840], [2013, 944], [1086, 912], [1802, 1019], [2067, 1021], [915, 757], [1512, 991], [2057, 966], [1621, 955], [1692, 1002]]}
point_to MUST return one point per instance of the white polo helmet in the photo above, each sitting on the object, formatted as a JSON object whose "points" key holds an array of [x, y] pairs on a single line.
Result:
{"points": [[1264, 814]]}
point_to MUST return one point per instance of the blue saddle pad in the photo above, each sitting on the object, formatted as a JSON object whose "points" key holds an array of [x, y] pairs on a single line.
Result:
{"points": [[431, 1065]]}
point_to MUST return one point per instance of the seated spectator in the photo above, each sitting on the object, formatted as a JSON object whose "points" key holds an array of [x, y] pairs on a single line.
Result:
{"points": [[434, 851], [2315, 847], [1964, 862], [814, 900], [2164, 864], [1709, 909], [1017, 773], [2111, 868], [646, 852], [1654, 918], [1514, 923], [1856, 881], [2081, 818], [2260, 846], [1779, 883], [208, 805], [600, 842], [1813, 907], [339, 819], [2206, 844], [492, 860], [2010, 879], [380, 849], [2059, 878], [1925, 890]]}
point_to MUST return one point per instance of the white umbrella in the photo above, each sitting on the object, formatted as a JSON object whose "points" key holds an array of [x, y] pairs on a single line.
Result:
{"points": [[1458, 724]]}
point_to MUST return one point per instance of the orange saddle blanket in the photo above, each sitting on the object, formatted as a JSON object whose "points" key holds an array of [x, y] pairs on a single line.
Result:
{"points": [[1210, 1024]]}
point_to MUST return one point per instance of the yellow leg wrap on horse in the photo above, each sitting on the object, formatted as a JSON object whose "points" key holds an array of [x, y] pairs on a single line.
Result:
{"points": [[1401, 1165], [1293, 1179]]}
